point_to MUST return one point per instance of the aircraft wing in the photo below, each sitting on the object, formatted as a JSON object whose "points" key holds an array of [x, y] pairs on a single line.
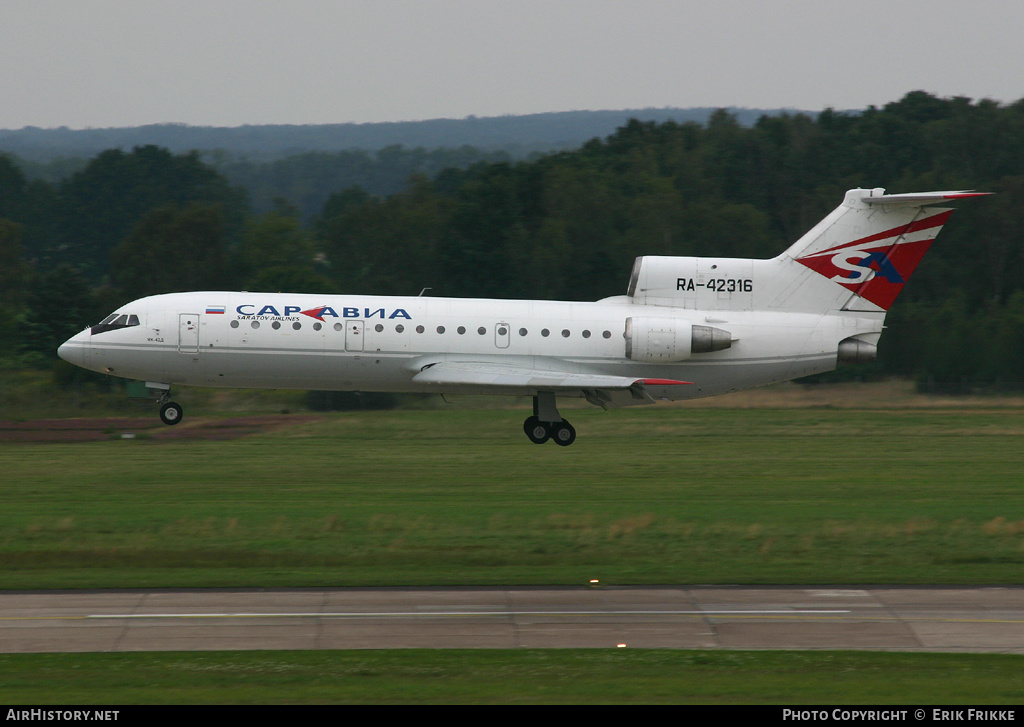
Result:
{"points": [[487, 374]]}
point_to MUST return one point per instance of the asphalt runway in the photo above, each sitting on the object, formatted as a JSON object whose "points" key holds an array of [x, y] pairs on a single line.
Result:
{"points": [[890, 619]]}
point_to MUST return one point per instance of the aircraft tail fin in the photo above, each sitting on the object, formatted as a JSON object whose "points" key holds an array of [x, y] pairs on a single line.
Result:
{"points": [[856, 259], [873, 242]]}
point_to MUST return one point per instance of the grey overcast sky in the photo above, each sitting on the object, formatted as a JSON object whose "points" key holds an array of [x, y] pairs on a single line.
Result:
{"points": [[100, 63]]}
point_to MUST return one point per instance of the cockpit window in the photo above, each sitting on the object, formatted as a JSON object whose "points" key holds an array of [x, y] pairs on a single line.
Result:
{"points": [[115, 321]]}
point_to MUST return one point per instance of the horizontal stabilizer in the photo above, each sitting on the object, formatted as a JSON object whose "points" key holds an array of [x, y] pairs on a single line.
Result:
{"points": [[919, 199]]}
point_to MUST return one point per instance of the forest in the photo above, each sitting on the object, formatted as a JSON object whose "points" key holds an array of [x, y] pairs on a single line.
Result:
{"points": [[517, 136], [563, 225]]}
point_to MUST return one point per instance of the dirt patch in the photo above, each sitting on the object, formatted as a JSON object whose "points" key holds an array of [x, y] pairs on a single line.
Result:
{"points": [[103, 428]]}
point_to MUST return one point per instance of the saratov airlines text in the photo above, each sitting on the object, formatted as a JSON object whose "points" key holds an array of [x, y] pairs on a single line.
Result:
{"points": [[248, 310]]}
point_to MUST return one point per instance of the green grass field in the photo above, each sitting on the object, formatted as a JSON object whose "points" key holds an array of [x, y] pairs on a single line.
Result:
{"points": [[483, 676], [656, 495], [674, 495]]}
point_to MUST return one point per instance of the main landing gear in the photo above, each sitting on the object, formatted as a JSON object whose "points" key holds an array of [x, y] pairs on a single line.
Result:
{"points": [[170, 411], [546, 423]]}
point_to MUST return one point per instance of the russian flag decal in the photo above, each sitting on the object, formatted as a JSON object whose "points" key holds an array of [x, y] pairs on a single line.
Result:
{"points": [[215, 309]]}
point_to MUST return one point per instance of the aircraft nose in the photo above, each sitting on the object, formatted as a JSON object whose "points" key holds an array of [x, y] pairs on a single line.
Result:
{"points": [[73, 350]]}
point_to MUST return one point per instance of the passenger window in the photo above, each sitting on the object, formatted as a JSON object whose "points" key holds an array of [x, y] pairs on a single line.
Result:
{"points": [[379, 327]]}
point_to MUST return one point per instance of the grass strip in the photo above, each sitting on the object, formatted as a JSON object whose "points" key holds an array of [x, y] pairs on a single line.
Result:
{"points": [[482, 676], [663, 495]]}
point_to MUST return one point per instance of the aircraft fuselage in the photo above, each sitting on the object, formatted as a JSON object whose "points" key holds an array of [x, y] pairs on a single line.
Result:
{"points": [[367, 343]]}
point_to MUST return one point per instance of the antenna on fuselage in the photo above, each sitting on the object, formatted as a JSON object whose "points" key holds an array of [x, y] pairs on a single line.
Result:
{"points": [[423, 291]]}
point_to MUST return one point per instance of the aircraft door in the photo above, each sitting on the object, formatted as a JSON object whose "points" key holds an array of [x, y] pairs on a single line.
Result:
{"points": [[501, 335], [188, 333], [354, 335]]}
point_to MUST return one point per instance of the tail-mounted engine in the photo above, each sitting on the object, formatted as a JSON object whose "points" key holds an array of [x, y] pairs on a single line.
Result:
{"points": [[853, 350], [665, 340]]}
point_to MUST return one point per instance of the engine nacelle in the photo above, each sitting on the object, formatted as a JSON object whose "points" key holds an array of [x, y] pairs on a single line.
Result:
{"points": [[856, 351], [666, 340]]}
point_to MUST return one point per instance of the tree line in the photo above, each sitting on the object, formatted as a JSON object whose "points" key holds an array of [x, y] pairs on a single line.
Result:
{"points": [[565, 225], [519, 136]]}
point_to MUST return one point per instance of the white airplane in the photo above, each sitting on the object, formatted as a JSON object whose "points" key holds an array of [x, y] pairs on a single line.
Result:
{"points": [[688, 327]]}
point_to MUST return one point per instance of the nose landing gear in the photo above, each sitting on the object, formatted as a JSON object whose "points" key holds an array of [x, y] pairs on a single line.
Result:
{"points": [[170, 411]]}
